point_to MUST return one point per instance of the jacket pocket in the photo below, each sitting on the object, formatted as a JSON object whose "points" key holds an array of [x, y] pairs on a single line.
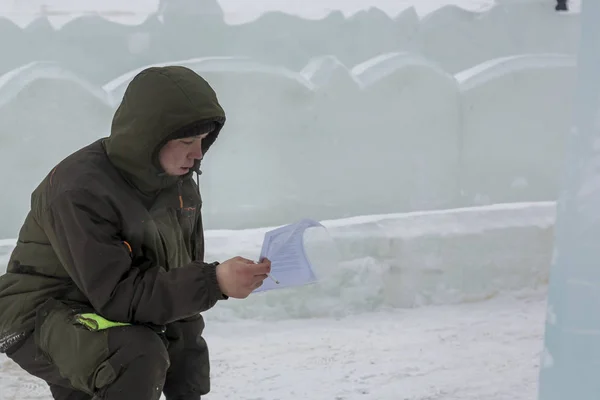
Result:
{"points": [[73, 349]]}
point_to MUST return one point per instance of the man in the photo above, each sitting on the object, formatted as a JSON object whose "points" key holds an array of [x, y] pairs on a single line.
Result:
{"points": [[103, 292]]}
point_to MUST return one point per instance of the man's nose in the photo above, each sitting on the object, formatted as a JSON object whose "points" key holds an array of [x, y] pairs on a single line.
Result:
{"points": [[196, 151]]}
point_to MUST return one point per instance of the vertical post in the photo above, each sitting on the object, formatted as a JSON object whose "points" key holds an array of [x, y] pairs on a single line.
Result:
{"points": [[570, 362]]}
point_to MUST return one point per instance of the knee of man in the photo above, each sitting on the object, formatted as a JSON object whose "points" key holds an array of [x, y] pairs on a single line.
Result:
{"points": [[139, 342], [137, 356]]}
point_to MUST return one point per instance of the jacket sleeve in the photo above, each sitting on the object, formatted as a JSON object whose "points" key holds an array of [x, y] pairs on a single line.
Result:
{"points": [[83, 230]]}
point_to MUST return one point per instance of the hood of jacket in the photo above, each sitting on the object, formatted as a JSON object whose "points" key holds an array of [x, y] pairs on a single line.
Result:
{"points": [[160, 103]]}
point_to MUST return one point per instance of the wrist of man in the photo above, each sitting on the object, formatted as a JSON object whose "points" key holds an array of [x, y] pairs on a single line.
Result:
{"points": [[212, 276]]}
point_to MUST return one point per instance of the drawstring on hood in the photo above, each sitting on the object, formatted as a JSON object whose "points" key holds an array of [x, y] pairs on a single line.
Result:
{"points": [[161, 104]]}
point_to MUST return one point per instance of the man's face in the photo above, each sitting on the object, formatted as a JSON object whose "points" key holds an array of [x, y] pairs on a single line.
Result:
{"points": [[179, 155]]}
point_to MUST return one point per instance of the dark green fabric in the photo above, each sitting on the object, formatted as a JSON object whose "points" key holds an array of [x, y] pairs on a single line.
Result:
{"points": [[106, 228], [121, 363], [80, 355], [186, 99]]}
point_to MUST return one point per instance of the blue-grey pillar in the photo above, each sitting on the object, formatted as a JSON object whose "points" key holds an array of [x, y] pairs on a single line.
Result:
{"points": [[570, 363]]}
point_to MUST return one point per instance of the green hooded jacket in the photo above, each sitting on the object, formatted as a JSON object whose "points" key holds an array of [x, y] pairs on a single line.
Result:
{"points": [[109, 230]]}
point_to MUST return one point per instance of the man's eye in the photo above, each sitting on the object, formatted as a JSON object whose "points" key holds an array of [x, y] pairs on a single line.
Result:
{"points": [[187, 141]]}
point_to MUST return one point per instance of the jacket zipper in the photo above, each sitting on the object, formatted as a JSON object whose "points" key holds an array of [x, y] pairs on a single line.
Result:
{"points": [[179, 183]]}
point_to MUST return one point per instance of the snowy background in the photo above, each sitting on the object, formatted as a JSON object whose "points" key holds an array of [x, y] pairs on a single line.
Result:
{"points": [[427, 136]]}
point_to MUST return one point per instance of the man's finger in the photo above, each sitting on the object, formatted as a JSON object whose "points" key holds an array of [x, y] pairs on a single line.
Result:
{"points": [[261, 269], [256, 280], [255, 283], [260, 278]]}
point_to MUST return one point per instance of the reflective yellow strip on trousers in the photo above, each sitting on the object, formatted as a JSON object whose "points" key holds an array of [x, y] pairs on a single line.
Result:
{"points": [[95, 322]]}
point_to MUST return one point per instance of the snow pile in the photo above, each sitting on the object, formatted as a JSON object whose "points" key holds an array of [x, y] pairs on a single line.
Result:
{"points": [[406, 260], [398, 261]]}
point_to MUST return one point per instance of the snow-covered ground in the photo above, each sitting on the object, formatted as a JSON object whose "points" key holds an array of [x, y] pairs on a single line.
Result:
{"points": [[488, 350], [479, 351]]}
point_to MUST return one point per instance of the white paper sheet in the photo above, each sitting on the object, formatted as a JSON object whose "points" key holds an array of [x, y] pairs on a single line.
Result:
{"points": [[284, 246]]}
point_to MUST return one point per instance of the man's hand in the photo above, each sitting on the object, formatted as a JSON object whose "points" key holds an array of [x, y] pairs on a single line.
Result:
{"points": [[238, 276]]}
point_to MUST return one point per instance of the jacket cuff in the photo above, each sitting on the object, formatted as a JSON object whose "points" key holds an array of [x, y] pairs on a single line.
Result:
{"points": [[212, 276]]}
